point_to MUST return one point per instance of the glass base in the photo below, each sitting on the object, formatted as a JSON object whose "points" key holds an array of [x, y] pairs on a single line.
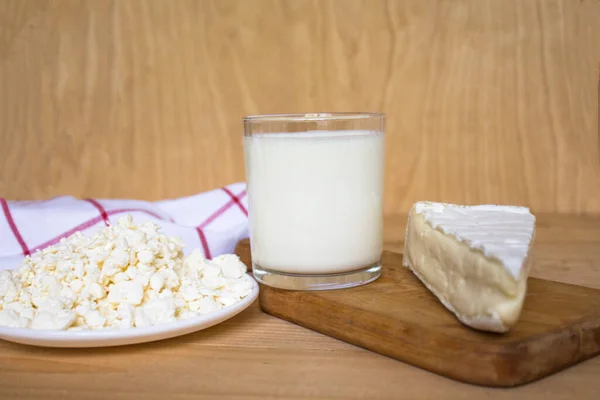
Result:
{"points": [[282, 280]]}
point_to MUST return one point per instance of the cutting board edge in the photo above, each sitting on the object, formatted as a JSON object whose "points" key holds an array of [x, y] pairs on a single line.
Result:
{"points": [[506, 353], [574, 334]]}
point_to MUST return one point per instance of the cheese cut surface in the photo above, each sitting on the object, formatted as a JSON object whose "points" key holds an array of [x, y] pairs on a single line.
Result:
{"points": [[474, 259]]}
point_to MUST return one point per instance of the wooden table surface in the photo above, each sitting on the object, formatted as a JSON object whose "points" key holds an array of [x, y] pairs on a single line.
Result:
{"points": [[256, 356]]}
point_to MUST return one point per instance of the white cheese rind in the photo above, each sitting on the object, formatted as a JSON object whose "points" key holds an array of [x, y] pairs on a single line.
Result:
{"points": [[501, 232], [470, 282]]}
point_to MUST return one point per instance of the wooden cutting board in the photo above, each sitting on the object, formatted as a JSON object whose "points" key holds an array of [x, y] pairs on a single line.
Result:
{"points": [[398, 317]]}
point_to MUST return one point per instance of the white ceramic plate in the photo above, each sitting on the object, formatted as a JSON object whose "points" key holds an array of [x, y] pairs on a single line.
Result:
{"points": [[105, 338]]}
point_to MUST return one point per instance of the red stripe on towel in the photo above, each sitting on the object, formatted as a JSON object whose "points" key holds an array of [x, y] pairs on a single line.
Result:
{"points": [[13, 227], [100, 209]]}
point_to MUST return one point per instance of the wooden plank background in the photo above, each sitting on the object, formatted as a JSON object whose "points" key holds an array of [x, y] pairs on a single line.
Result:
{"points": [[487, 100]]}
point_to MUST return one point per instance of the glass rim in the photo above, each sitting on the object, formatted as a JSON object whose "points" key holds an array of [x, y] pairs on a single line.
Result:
{"points": [[307, 117]]}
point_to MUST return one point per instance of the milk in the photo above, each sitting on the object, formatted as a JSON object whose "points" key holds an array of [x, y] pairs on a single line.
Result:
{"points": [[315, 200]]}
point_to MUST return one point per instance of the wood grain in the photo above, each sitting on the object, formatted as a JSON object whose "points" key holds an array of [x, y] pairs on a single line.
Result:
{"points": [[398, 317], [257, 356], [487, 100]]}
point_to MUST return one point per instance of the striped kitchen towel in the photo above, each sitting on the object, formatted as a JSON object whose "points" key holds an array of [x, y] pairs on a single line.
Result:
{"points": [[213, 221]]}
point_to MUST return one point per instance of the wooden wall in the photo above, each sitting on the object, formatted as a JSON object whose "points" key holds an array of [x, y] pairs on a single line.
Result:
{"points": [[487, 100]]}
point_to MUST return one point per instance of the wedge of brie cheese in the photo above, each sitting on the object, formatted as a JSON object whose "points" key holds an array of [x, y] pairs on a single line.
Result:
{"points": [[475, 259]]}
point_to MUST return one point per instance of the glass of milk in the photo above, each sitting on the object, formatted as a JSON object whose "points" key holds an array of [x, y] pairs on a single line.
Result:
{"points": [[315, 190]]}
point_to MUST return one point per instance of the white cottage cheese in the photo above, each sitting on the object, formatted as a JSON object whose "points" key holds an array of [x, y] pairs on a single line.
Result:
{"points": [[124, 276]]}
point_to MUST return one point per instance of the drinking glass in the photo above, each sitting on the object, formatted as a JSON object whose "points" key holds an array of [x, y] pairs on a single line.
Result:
{"points": [[315, 190]]}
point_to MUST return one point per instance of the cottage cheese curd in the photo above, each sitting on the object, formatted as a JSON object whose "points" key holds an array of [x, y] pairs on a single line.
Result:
{"points": [[124, 276]]}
